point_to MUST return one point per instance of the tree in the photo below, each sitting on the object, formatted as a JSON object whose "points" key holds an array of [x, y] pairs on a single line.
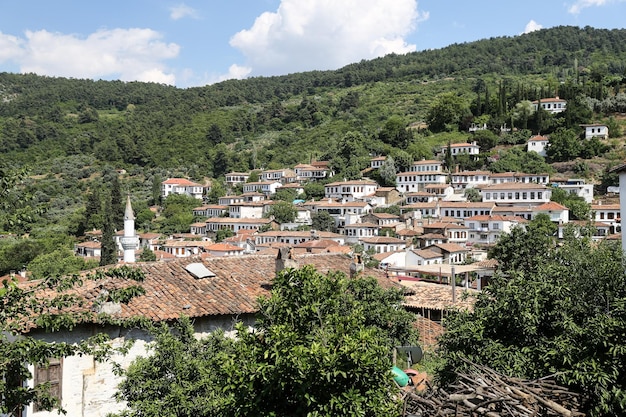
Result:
{"points": [[395, 133], [322, 346], [446, 112], [579, 209], [147, 255], [387, 172], [282, 211], [59, 262], [565, 145], [108, 247], [322, 221], [565, 316], [117, 206], [522, 112]]}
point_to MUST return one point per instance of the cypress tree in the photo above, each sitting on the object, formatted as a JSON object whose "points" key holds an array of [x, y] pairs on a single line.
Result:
{"points": [[117, 205], [108, 250]]}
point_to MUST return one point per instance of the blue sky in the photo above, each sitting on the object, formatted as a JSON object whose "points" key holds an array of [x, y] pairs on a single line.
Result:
{"points": [[194, 43]]}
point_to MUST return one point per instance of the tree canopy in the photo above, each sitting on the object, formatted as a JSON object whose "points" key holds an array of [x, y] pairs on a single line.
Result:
{"points": [[322, 346]]}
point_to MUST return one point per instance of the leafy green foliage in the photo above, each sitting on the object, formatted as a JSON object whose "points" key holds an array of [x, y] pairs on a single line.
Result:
{"points": [[578, 208], [322, 347], [559, 313], [283, 212]]}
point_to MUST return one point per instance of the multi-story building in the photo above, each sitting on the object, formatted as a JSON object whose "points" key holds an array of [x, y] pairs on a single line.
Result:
{"points": [[516, 194], [350, 190], [182, 186]]}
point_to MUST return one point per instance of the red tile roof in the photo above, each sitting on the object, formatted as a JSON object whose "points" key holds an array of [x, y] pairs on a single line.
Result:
{"points": [[170, 290]]}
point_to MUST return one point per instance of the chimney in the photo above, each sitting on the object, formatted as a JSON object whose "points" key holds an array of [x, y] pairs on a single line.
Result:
{"points": [[357, 265], [285, 260]]}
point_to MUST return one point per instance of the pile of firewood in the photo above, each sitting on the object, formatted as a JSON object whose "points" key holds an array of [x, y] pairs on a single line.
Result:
{"points": [[484, 392]]}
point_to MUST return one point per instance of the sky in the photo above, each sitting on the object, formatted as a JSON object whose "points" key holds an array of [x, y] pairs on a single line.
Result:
{"points": [[193, 43]]}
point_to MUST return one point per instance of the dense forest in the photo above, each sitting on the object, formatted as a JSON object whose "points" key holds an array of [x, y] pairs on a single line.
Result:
{"points": [[68, 138]]}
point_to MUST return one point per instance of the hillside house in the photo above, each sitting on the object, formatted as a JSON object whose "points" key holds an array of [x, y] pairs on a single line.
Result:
{"points": [[245, 210], [294, 237], [453, 232], [356, 231], [578, 187], [422, 257], [470, 179], [551, 104], [343, 213], [471, 149], [185, 248], [608, 213], [350, 190], [382, 244], [486, 230], [419, 197], [284, 176], [412, 181], [377, 162], [210, 210], [218, 223], [452, 253], [266, 188], [182, 186], [539, 144], [310, 172], [503, 177], [558, 213], [89, 249], [596, 130], [516, 193], [235, 178], [462, 210], [223, 249]]}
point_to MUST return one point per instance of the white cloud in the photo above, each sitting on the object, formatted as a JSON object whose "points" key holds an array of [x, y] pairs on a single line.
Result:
{"points": [[326, 34], [532, 26], [10, 48], [126, 54], [182, 10], [578, 5]]}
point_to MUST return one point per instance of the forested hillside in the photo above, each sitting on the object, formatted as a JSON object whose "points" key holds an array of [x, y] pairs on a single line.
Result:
{"points": [[72, 135]]}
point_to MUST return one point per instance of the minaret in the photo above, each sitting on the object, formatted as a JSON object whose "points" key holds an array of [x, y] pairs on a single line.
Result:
{"points": [[129, 241]]}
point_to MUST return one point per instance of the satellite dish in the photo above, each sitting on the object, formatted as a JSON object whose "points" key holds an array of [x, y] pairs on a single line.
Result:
{"points": [[414, 353]]}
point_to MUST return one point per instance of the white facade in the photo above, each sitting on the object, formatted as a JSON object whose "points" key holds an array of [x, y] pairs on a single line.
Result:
{"points": [[551, 104], [596, 131], [486, 230], [181, 186], [265, 187], [609, 213], [515, 193], [412, 181], [467, 148], [579, 188], [470, 179], [538, 144], [382, 244], [246, 210], [350, 190]]}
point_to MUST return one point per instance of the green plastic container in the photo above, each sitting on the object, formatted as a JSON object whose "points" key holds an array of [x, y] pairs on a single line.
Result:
{"points": [[400, 376]]}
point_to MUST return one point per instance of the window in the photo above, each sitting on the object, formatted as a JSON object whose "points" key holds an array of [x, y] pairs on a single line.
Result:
{"points": [[51, 374]]}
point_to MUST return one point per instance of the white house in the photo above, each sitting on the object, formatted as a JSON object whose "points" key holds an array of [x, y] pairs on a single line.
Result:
{"points": [[350, 190], [218, 223], [246, 210], [551, 104], [377, 162], [502, 177], [381, 244], [182, 186], [516, 193], [234, 178], [343, 212], [578, 187], [558, 213], [539, 144], [597, 130], [471, 149], [223, 249], [411, 181], [356, 231], [423, 257], [608, 213], [281, 175], [308, 172], [470, 179], [264, 187], [463, 209], [452, 253], [210, 210], [486, 230]]}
